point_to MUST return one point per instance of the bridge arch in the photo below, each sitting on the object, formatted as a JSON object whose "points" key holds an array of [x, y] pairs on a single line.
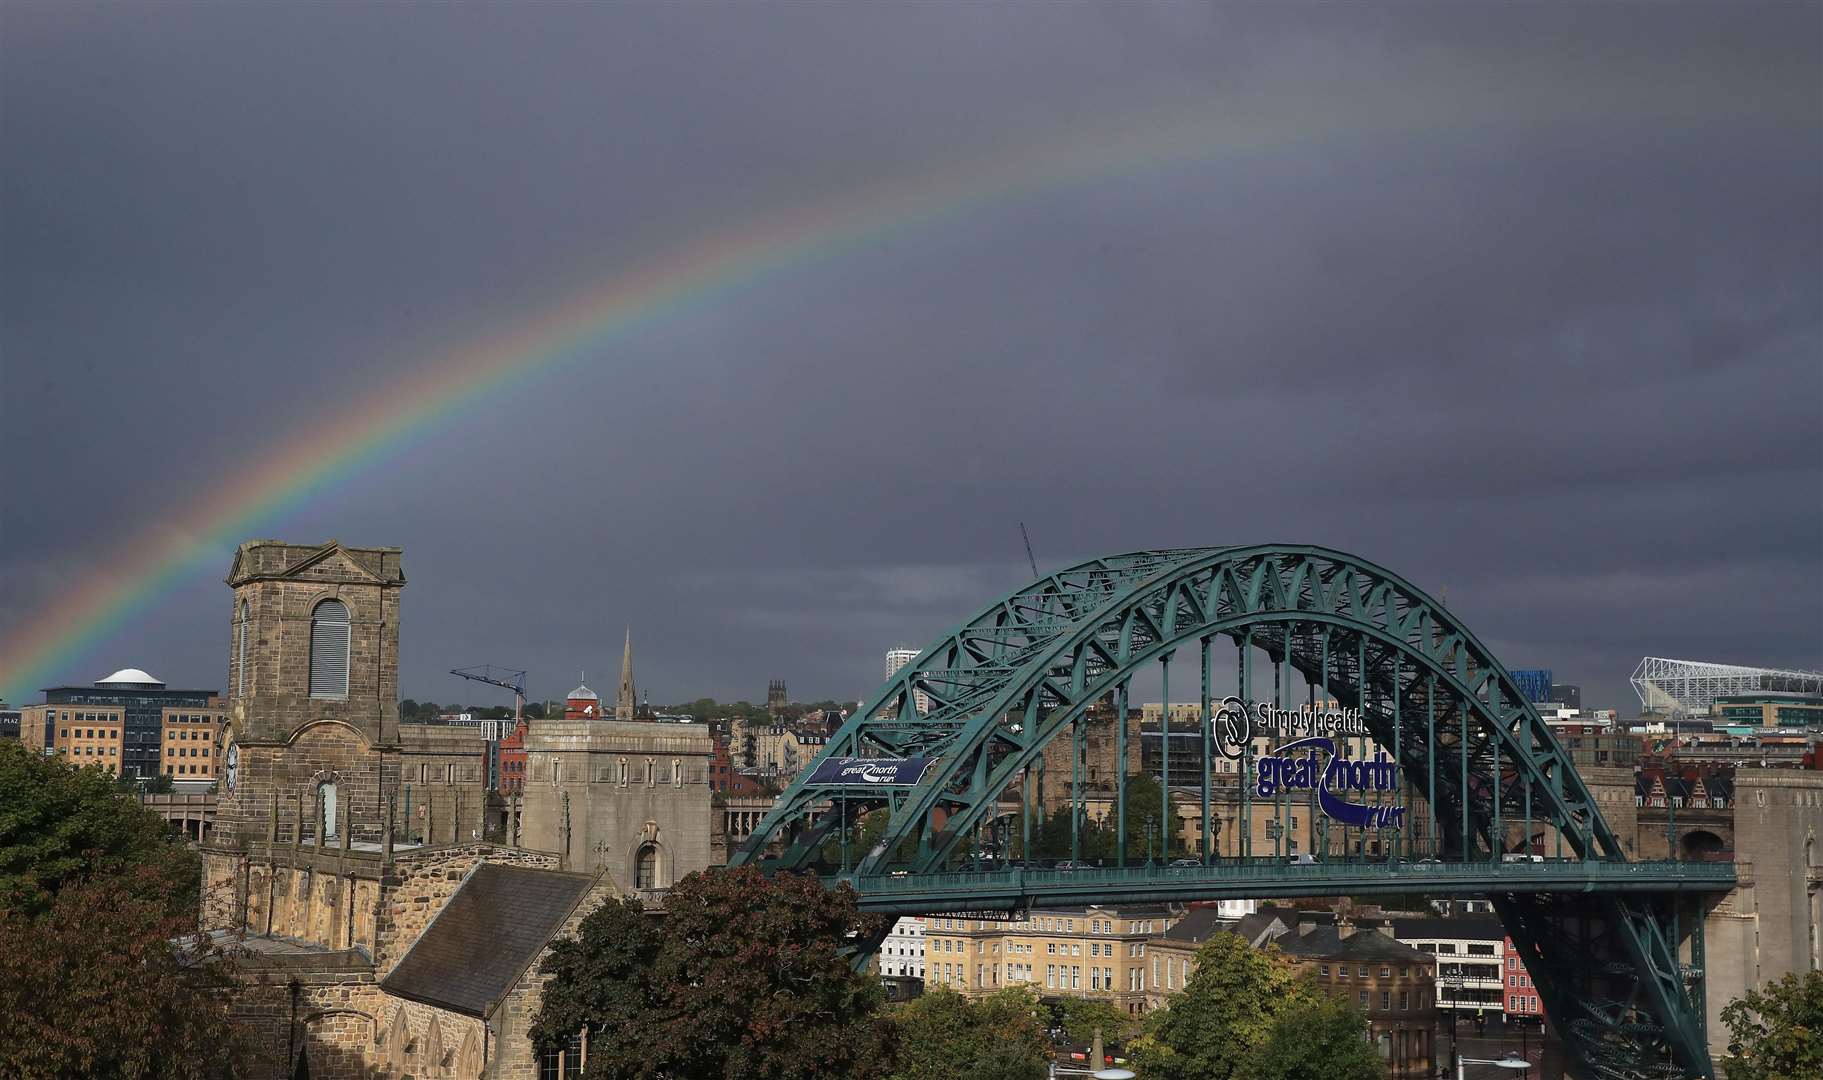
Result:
{"points": [[1023, 671]]}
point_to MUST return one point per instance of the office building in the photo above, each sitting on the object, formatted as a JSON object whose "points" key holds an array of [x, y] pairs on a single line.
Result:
{"points": [[138, 701]]}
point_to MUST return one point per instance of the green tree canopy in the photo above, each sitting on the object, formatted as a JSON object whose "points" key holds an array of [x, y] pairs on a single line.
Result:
{"points": [[1776, 1033], [62, 825], [1217, 1025], [943, 1035], [1321, 1038], [743, 979]]}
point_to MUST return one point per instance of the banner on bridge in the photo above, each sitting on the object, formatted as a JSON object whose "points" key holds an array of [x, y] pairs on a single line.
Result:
{"points": [[863, 772]]}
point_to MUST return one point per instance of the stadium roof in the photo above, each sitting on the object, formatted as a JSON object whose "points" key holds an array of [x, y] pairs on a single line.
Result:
{"points": [[1691, 686]]}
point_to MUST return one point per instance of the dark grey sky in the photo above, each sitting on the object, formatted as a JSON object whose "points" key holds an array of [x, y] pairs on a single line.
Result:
{"points": [[1523, 302]]}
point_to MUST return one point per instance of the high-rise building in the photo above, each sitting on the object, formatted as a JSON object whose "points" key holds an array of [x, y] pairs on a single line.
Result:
{"points": [[1534, 683], [898, 658]]}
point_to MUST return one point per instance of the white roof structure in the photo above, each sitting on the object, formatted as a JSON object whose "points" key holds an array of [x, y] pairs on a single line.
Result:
{"points": [[1691, 686], [131, 675], [583, 693]]}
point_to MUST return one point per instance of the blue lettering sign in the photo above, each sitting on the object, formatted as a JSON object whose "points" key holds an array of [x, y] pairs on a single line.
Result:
{"points": [[1301, 766]]}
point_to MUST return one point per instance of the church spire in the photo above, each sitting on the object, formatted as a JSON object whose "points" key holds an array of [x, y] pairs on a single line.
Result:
{"points": [[623, 705]]}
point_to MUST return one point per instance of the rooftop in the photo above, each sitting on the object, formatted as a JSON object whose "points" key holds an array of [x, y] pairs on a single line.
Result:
{"points": [[130, 676], [485, 937]]}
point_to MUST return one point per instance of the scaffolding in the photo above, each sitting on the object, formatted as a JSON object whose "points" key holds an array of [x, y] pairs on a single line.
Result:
{"points": [[1690, 687]]}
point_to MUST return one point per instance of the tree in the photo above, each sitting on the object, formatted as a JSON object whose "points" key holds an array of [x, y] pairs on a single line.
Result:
{"points": [[1321, 1038], [1083, 1017], [1223, 1017], [601, 981], [1776, 1033], [92, 986], [943, 1035], [744, 979], [65, 825]]}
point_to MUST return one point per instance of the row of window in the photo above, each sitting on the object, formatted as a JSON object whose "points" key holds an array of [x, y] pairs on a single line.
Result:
{"points": [[1517, 1003], [189, 734], [185, 751], [1386, 972], [89, 733], [188, 770]]}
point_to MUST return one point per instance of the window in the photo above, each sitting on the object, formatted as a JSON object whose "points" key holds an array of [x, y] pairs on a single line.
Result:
{"points": [[1362, 971], [240, 655], [1386, 1000], [1363, 1001], [1076, 978], [1405, 1000], [645, 868], [1341, 971], [329, 650], [1050, 976], [1386, 973], [1324, 969]]}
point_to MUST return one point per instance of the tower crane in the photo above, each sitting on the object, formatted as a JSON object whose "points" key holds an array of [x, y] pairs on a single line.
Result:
{"points": [[505, 678]]}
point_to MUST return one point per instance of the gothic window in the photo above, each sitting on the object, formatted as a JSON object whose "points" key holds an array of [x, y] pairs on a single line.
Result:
{"points": [[240, 655], [329, 650], [326, 796], [645, 867]]}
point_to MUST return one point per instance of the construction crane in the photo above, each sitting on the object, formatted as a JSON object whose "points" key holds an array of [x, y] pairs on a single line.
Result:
{"points": [[1028, 550], [505, 678]]}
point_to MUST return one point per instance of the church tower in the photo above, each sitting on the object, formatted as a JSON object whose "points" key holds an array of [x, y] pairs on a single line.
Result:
{"points": [[624, 704], [313, 679]]}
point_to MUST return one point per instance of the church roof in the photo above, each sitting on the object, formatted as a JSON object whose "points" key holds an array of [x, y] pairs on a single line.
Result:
{"points": [[487, 935]]}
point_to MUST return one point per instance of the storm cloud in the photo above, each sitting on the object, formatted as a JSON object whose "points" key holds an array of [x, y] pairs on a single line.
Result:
{"points": [[1525, 303]]}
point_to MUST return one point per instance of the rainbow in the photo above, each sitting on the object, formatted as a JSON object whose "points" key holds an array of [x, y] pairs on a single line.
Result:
{"points": [[318, 455]]}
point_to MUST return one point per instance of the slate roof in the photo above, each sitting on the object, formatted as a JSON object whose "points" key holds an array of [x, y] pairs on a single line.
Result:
{"points": [[485, 937], [1327, 943]]}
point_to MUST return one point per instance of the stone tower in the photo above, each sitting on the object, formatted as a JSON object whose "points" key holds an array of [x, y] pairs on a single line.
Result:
{"points": [[313, 680], [775, 697], [625, 703]]}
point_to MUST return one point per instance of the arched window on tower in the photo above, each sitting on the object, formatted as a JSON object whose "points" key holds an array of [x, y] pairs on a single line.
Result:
{"points": [[329, 650], [645, 867], [240, 655], [330, 811]]}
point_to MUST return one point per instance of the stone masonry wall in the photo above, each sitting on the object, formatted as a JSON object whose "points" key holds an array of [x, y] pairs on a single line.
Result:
{"points": [[516, 1059]]}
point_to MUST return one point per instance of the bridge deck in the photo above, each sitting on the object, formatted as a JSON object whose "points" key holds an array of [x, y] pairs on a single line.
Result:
{"points": [[1022, 889]]}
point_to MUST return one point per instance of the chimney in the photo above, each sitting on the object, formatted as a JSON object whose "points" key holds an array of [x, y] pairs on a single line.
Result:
{"points": [[1344, 929], [1387, 929], [1306, 923]]}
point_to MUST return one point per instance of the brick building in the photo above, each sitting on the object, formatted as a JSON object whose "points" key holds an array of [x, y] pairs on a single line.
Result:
{"points": [[86, 735]]}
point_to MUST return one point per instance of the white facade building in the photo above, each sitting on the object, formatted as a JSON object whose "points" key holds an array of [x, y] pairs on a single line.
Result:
{"points": [[898, 658], [1471, 959], [902, 953]]}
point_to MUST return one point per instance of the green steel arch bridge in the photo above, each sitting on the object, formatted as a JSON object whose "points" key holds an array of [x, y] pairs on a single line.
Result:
{"points": [[1405, 683]]}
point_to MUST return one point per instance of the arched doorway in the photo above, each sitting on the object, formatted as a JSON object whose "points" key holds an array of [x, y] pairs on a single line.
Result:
{"points": [[1702, 844]]}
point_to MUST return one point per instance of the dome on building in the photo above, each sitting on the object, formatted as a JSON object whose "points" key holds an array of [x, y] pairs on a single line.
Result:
{"points": [[583, 693], [131, 676]]}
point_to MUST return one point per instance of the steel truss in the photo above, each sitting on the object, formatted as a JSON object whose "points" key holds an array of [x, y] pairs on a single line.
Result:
{"points": [[1025, 669]]}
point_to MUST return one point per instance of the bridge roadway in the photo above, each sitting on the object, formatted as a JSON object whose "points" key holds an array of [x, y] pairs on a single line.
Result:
{"points": [[1025, 889]]}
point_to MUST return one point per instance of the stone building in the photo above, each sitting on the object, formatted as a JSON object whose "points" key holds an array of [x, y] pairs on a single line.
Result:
{"points": [[632, 798], [313, 714], [381, 937], [1393, 984], [1097, 952]]}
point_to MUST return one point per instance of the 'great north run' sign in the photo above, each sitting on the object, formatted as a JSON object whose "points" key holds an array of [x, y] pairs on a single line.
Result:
{"points": [[1313, 760], [897, 772]]}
